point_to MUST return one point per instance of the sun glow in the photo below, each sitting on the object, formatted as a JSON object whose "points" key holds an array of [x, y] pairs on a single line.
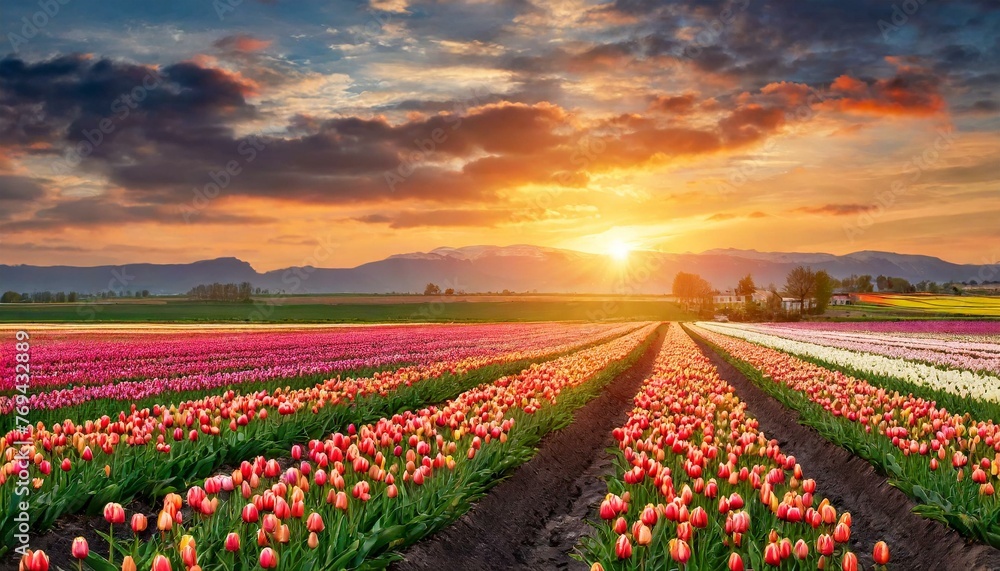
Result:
{"points": [[619, 251]]}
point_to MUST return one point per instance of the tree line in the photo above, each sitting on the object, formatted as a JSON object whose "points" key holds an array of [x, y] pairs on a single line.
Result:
{"points": [[67, 297], [222, 292]]}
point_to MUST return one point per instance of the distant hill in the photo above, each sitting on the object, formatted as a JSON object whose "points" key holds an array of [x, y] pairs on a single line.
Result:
{"points": [[490, 268]]}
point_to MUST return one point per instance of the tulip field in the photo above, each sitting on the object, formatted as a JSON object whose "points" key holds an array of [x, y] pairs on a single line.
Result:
{"points": [[342, 447], [699, 486], [947, 459]]}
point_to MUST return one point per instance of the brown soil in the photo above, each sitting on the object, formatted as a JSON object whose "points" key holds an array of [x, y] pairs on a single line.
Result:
{"points": [[534, 519], [880, 511]]}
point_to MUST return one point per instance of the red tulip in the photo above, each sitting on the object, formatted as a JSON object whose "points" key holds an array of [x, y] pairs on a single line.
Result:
{"points": [[825, 545], [233, 542], [189, 556], [87, 455], [161, 563], [699, 518], [114, 513], [841, 533], [801, 549], [772, 554], [849, 562], [623, 547], [621, 526], [268, 558], [735, 562], [649, 516], [66, 466], [315, 523], [680, 551], [250, 514], [341, 503], [80, 548], [36, 561], [881, 553]]}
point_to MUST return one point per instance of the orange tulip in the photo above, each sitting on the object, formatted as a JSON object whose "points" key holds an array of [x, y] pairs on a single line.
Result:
{"points": [[128, 564], [164, 521], [849, 562], [645, 536], [680, 551], [881, 553], [139, 523], [597, 567], [801, 549], [313, 541], [315, 523]]}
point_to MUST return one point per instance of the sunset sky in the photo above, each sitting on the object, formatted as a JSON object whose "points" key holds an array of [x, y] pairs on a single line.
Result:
{"points": [[400, 126]]}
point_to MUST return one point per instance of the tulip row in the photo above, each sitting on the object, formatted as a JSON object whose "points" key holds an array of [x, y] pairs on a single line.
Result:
{"points": [[349, 500], [71, 467], [966, 384], [699, 486], [986, 331], [947, 462], [982, 355], [98, 358], [104, 382]]}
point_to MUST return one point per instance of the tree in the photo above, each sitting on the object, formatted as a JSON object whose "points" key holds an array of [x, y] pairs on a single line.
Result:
{"points": [[71, 297], [432, 289], [449, 291], [10, 297], [823, 290], [801, 284], [882, 282], [689, 288], [746, 287]]}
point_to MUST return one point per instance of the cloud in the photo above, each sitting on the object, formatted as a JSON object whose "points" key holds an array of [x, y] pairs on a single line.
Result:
{"points": [[241, 43], [834, 209], [440, 218]]}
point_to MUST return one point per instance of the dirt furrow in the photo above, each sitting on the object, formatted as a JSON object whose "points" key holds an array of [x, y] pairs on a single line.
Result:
{"points": [[534, 519], [880, 511]]}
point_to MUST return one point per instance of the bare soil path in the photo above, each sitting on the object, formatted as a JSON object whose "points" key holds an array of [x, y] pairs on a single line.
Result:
{"points": [[880, 511], [534, 519]]}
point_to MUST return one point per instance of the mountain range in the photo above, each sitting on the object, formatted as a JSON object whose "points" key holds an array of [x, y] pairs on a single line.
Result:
{"points": [[490, 268]]}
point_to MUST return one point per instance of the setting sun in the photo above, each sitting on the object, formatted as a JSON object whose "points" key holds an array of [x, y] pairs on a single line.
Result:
{"points": [[619, 251]]}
